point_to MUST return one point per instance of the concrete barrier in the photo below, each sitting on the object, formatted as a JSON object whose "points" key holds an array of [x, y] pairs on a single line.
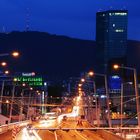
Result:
{"points": [[3, 129], [107, 135]]}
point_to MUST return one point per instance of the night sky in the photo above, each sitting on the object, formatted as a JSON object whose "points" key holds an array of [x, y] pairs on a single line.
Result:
{"points": [[74, 18]]}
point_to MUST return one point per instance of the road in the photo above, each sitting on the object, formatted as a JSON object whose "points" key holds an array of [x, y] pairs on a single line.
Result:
{"points": [[59, 134], [72, 118], [39, 130]]}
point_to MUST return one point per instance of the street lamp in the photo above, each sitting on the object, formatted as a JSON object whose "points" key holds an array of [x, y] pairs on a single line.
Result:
{"points": [[22, 105], [3, 64], [82, 80], [79, 89], [136, 88], [122, 90], [13, 54], [107, 94], [6, 72], [116, 66], [91, 73], [2, 89], [96, 101], [80, 85]]}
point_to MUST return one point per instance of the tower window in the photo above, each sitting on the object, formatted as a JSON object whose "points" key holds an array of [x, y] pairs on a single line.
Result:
{"points": [[119, 30]]}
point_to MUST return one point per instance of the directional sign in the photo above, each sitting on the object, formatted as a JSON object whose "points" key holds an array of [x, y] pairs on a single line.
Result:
{"points": [[29, 80]]}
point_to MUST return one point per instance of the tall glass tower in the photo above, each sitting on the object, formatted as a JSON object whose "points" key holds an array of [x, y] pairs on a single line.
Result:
{"points": [[111, 35]]}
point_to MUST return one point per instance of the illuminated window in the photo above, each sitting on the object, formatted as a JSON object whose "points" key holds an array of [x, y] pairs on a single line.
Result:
{"points": [[120, 14], [119, 30]]}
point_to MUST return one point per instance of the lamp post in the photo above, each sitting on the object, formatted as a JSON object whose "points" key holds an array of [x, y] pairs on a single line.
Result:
{"points": [[122, 93], [11, 107], [2, 89], [96, 100], [96, 104], [135, 86], [22, 101], [13, 54], [107, 94]]}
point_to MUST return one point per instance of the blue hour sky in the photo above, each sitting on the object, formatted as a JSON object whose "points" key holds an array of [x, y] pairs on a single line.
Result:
{"points": [[74, 18]]}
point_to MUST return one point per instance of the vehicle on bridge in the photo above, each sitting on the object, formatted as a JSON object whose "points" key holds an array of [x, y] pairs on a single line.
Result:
{"points": [[50, 116]]}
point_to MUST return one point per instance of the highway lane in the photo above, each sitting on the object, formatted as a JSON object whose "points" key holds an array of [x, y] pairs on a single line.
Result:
{"points": [[90, 134], [31, 134], [71, 122], [59, 134], [77, 135]]}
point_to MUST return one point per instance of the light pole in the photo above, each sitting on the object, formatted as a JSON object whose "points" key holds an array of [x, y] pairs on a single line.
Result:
{"points": [[22, 101], [14, 54], [11, 107], [136, 88], [107, 94], [122, 93], [96, 100], [2, 89]]}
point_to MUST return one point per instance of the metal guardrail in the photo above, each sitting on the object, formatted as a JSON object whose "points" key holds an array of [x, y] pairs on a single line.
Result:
{"points": [[95, 128], [6, 127]]}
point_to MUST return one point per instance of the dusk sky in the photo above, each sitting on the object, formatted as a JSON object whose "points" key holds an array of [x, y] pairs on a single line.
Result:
{"points": [[74, 18]]}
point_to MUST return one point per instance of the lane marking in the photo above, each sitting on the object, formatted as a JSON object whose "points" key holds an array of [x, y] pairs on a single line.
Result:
{"points": [[80, 135], [55, 135], [36, 135]]}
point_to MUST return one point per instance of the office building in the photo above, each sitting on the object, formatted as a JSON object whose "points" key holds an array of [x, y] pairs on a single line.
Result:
{"points": [[111, 36]]}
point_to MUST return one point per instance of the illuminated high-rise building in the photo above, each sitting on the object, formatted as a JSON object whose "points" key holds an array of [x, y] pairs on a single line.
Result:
{"points": [[111, 36]]}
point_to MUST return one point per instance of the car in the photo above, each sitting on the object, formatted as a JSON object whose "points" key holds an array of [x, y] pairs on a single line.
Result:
{"points": [[29, 126]]}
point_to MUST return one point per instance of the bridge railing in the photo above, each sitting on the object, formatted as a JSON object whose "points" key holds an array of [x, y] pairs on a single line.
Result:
{"points": [[10, 126]]}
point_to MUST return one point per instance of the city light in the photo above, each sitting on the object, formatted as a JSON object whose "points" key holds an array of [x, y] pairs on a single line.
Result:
{"points": [[45, 84], [79, 85], [3, 64], [6, 72], [82, 80], [23, 84], [15, 54], [15, 79], [7, 101], [79, 89], [91, 73], [116, 66]]}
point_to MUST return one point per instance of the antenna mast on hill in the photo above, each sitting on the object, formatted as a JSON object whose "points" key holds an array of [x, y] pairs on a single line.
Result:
{"points": [[27, 20]]}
